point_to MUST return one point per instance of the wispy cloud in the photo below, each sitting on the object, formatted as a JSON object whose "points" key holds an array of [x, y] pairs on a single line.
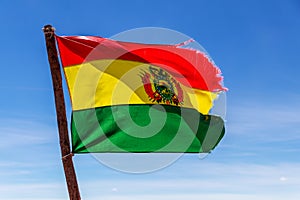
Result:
{"points": [[256, 120], [18, 132], [193, 197], [24, 149], [186, 180], [207, 180], [35, 191]]}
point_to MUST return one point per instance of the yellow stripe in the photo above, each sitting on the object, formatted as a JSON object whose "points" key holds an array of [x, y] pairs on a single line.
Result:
{"points": [[114, 82]]}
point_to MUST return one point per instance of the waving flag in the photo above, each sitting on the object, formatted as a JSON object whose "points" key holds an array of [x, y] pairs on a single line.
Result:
{"points": [[132, 97]]}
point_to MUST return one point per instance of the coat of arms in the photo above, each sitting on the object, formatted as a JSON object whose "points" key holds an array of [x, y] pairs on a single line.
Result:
{"points": [[161, 87]]}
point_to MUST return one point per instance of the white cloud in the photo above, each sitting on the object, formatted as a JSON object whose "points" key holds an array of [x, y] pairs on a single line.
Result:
{"points": [[193, 197], [33, 191], [186, 179], [283, 178], [24, 132], [256, 120], [206, 181]]}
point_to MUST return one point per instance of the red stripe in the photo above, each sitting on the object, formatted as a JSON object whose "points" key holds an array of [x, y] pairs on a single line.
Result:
{"points": [[190, 67]]}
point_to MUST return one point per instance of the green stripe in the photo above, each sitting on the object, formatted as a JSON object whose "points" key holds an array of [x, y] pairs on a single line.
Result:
{"points": [[144, 128]]}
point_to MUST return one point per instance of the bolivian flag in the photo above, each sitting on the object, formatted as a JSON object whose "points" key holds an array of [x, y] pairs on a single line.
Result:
{"points": [[133, 97]]}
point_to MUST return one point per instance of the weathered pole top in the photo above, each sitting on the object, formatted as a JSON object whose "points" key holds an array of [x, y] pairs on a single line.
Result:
{"points": [[48, 29]]}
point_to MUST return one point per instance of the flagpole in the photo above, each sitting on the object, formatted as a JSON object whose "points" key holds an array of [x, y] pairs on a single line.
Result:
{"points": [[66, 153]]}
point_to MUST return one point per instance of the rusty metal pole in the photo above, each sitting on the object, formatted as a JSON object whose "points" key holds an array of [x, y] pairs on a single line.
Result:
{"points": [[66, 153]]}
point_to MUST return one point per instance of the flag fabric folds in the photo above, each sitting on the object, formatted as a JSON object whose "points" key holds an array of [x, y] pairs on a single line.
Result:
{"points": [[133, 97]]}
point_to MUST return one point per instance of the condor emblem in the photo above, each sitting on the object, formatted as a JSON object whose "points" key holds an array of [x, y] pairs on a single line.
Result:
{"points": [[161, 87]]}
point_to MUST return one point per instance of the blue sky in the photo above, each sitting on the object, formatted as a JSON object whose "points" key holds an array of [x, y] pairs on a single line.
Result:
{"points": [[255, 43]]}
